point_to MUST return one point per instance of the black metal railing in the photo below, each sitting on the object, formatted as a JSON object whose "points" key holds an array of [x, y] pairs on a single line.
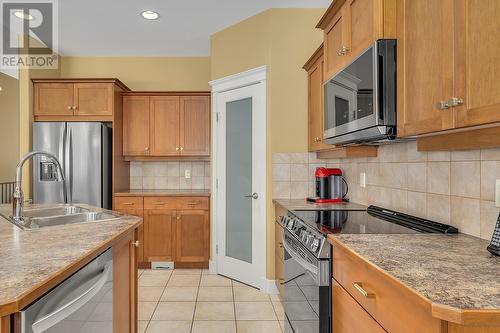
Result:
{"points": [[6, 190]]}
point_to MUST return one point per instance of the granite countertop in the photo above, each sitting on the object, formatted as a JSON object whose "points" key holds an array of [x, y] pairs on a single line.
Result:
{"points": [[303, 204], [30, 260], [451, 270], [179, 193]]}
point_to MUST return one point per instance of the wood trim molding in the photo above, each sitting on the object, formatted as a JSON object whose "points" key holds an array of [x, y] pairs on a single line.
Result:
{"points": [[84, 80], [329, 14], [166, 158], [314, 58], [166, 93], [239, 80], [470, 139], [347, 152], [75, 118]]}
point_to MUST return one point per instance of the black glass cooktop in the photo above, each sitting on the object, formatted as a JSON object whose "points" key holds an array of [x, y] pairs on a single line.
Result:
{"points": [[375, 220], [349, 222]]}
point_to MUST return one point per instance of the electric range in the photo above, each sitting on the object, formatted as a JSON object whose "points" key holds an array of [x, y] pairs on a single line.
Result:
{"points": [[307, 253]]}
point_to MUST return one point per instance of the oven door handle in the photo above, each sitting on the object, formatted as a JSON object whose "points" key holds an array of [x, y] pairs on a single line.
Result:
{"points": [[308, 266]]}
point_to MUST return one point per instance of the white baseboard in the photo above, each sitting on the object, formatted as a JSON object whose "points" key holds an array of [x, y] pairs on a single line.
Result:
{"points": [[270, 287], [212, 267]]}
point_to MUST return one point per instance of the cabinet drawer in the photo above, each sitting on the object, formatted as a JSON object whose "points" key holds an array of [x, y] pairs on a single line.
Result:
{"points": [[348, 316], [127, 203], [176, 203], [394, 306]]}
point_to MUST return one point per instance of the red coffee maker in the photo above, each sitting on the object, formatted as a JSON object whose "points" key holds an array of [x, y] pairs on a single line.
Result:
{"points": [[330, 186]]}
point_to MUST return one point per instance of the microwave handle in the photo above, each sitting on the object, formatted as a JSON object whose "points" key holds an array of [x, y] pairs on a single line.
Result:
{"points": [[69, 308]]}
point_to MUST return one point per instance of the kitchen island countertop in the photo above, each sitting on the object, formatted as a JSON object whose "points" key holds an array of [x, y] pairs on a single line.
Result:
{"points": [[34, 261]]}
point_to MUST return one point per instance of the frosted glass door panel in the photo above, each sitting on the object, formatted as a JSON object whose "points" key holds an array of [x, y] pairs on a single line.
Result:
{"points": [[239, 179]]}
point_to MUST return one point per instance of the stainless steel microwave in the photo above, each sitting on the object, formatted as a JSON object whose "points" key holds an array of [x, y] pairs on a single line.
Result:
{"points": [[360, 101]]}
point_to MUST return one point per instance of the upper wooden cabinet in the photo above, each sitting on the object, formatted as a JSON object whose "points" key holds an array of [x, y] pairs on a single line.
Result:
{"points": [[447, 63], [78, 99], [314, 68], [350, 26], [166, 125]]}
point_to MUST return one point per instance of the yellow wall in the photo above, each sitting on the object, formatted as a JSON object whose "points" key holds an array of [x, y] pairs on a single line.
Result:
{"points": [[283, 39], [9, 127], [143, 73]]}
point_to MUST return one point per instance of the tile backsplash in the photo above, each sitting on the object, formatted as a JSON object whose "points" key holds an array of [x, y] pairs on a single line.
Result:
{"points": [[456, 188], [169, 175]]}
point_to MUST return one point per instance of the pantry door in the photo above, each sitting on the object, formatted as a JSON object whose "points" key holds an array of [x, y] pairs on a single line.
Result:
{"points": [[240, 182]]}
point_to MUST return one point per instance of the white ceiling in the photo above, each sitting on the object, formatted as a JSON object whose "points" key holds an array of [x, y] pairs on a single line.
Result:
{"points": [[115, 28]]}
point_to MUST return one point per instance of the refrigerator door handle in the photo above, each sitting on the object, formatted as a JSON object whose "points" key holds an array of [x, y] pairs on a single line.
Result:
{"points": [[62, 143], [69, 166]]}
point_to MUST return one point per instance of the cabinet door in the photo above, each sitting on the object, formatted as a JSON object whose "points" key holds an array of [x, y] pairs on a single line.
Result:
{"points": [[136, 126], [139, 232], [334, 40], [53, 99], [363, 25], [195, 125], [425, 65], [348, 316], [125, 286], [315, 107], [159, 235], [164, 125], [477, 62], [93, 99], [192, 236]]}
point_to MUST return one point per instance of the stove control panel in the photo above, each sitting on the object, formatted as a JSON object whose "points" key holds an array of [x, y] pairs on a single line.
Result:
{"points": [[311, 239]]}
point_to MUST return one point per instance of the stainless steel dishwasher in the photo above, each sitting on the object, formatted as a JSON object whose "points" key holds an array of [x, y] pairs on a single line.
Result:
{"points": [[82, 303]]}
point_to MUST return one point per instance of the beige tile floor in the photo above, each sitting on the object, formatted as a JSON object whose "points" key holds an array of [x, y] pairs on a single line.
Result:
{"points": [[192, 301]]}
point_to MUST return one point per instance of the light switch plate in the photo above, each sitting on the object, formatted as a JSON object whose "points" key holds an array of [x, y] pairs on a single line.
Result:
{"points": [[362, 179], [497, 193], [187, 174]]}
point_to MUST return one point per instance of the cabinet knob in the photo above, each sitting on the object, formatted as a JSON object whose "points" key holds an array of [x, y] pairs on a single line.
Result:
{"points": [[455, 101], [343, 51], [75, 108], [176, 148], [442, 105], [178, 217], [147, 148], [136, 243], [70, 108], [182, 148]]}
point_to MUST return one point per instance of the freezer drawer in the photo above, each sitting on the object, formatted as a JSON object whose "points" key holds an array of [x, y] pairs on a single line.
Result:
{"points": [[82, 303]]}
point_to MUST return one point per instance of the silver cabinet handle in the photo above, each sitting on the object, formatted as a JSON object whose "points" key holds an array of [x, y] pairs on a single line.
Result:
{"points": [[253, 196], [442, 105], [455, 101]]}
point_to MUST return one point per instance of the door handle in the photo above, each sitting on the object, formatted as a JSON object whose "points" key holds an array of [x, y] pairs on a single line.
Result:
{"points": [[253, 196]]}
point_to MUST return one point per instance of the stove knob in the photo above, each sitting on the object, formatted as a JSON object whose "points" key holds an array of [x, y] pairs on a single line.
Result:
{"points": [[315, 244]]}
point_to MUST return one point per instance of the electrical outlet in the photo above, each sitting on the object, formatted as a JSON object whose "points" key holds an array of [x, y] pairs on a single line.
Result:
{"points": [[362, 179], [187, 174], [497, 193]]}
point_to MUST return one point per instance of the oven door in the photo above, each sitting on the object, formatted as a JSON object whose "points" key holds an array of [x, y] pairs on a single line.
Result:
{"points": [[307, 289]]}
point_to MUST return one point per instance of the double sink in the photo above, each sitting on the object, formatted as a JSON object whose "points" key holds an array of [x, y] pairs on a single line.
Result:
{"points": [[35, 218]]}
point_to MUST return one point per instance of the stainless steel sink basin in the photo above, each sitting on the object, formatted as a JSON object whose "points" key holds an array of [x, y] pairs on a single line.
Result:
{"points": [[54, 211], [59, 215], [41, 222]]}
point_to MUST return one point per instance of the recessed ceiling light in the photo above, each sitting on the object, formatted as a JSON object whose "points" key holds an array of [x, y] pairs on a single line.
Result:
{"points": [[22, 15], [150, 15]]}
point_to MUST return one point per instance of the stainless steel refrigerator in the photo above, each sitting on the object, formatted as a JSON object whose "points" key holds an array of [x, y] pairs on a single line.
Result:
{"points": [[84, 150]]}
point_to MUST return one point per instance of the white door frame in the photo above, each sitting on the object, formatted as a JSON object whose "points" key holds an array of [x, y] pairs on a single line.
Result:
{"points": [[258, 77]]}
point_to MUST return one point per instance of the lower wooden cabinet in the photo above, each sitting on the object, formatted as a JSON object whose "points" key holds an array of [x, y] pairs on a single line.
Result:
{"points": [[192, 237], [348, 316], [159, 235], [176, 229]]}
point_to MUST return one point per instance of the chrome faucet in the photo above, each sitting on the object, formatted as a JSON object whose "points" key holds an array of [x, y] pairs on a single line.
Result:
{"points": [[18, 195]]}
